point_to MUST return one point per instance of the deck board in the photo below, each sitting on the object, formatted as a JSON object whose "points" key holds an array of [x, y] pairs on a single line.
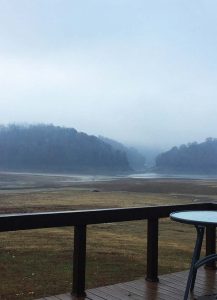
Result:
{"points": [[169, 287]]}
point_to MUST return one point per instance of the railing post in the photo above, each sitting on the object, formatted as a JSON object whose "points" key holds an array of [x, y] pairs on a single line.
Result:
{"points": [[79, 261], [152, 250], [210, 245]]}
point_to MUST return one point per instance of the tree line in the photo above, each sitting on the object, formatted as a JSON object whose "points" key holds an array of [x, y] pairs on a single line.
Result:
{"points": [[193, 157], [54, 148], [135, 158]]}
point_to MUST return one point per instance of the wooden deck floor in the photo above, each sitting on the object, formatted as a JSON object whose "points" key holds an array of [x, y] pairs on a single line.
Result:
{"points": [[170, 287]]}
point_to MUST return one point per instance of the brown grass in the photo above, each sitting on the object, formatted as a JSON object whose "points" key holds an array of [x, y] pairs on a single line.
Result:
{"points": [[39, 262]]}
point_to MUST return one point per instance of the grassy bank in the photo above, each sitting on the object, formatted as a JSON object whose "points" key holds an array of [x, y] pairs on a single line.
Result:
{"points": [[38, 262]]}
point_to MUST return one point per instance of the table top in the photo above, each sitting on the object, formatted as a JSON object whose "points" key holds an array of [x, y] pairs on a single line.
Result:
{"points": [[200, 217]]}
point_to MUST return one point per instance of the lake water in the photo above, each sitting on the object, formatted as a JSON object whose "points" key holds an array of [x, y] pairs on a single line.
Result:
{"points": [[88, 178], [17, 179], [172, 176]]}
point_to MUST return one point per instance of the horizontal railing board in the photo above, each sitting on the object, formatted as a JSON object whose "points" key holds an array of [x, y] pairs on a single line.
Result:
{"points": [[25, 221]]}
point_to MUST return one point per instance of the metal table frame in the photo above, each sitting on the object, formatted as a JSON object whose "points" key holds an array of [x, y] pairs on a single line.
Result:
{"points": [[196, 261]]}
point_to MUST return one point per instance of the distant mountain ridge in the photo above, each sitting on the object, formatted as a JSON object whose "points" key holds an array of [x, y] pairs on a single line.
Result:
{"points": [[191, 158], [136, 160], [52, 148]]}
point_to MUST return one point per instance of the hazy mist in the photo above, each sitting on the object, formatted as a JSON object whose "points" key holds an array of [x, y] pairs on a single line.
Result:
{"points": [[140, 72]]}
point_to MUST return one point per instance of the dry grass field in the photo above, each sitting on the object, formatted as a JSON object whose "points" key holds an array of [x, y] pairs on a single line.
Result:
{"points": [[39, 262]]}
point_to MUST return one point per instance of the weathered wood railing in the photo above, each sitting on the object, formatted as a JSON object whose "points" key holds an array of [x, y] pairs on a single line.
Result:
{"points": [[81, 218]]}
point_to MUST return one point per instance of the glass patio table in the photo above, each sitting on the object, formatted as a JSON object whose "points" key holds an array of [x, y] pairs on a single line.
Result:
{"points": [[200, 219]]}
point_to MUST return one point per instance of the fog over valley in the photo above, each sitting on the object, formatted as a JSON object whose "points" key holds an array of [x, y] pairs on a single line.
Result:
{"points": [[141, 73]]}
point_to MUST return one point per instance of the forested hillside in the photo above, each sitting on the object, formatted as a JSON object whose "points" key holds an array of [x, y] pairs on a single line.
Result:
{"points": [[136, 160], [51, 148], [194, 157]]}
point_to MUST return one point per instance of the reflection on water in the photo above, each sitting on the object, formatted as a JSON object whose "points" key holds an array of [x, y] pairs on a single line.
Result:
{"points": [[14, 180], [172, 176]]}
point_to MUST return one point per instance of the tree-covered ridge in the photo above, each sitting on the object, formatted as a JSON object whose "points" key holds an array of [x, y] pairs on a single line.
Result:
{"points": [[136, 160], [54, 148], [194, 157]]}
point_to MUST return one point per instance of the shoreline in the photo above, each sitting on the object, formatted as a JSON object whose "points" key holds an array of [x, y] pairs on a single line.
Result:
{"points": [[76, 177], [29, 182]]}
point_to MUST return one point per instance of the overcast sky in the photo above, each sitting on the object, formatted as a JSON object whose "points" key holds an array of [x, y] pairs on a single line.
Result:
{"points": [[141, 72]]}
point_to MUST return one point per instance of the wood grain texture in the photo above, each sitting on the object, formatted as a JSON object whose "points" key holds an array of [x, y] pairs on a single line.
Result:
{"points": [[169, 287]]}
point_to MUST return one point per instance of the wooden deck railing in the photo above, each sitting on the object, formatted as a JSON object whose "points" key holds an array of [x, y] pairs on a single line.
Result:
{"points": [[81, 218]]}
